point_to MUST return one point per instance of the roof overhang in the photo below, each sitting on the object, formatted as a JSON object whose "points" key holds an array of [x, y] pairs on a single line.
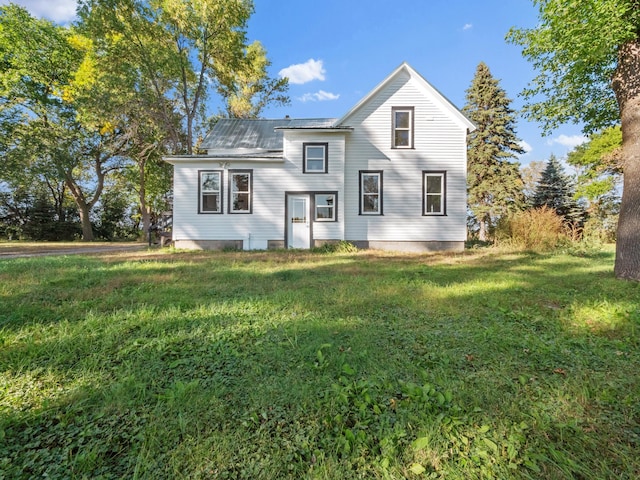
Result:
{"points": [[225, 158], [339, 129]]}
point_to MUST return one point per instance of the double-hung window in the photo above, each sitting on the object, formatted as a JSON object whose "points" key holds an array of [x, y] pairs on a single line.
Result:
{"points": [[210, 191], [434, 188], [402, 119], [325, 207], [370, 192], [240, 191], [315, 158]]}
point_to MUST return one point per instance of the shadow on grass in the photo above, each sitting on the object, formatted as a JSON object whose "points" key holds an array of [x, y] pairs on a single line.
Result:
{"points": [[262, 366]]}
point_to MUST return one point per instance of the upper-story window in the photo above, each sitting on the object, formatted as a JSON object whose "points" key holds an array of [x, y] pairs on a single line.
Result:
{"points": [[315, 158], [240, 194], [210, 191], [402, 127]]}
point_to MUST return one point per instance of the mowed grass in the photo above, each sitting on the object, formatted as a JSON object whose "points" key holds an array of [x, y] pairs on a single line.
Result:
{"points": [[310, 365]]}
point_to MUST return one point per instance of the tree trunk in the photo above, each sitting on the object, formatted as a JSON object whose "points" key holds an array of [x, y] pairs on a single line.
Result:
{"points": [[626, 85], [483, 231], [145, 211], [87, 230]]}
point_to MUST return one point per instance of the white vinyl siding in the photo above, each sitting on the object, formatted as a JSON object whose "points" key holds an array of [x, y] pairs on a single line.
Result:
{"points": [[270, 181], [439, 145]]}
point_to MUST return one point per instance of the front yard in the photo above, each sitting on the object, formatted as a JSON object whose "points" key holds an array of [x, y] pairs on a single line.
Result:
{"points": [[167, 364]]}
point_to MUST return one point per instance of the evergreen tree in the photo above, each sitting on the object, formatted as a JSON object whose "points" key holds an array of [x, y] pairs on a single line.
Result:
{"points": [[494, 183], [555, 190]]}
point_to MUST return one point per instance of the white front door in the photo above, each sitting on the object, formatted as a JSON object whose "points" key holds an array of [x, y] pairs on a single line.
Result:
{"points": [[299, 231]]}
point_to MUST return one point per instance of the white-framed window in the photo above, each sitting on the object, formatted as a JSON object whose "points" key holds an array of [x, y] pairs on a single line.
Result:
{"points": [[210, 191], [315, 158], [402, 120], [370, 192], [325, 207], [240, 191], [434, 188]]}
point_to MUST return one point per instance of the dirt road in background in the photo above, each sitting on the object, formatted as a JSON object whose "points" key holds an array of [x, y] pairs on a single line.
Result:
{"points": [[34, 249]]}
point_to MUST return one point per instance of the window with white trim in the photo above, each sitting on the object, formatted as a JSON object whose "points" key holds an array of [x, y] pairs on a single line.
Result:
{"points": [[240, 186], [370, 192], [315, 158], [402, 127], [210, 191], [325, 207], [434, 188]]}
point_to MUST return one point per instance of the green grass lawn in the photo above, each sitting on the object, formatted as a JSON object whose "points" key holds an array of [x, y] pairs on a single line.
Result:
{"points": [[310, 365]]}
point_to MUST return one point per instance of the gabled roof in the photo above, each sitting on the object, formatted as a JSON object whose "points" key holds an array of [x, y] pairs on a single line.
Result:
{"points": [[406, 69], [256, 135]]}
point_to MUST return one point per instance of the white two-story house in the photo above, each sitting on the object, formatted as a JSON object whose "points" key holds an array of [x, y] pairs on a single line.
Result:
{"points": [[389, 174]]}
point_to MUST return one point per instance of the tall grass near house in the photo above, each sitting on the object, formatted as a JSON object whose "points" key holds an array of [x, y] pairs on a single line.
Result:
{"points": [[319, 365], [536, 229]]}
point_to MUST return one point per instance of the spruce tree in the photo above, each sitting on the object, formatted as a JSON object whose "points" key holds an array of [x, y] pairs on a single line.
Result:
{"points": [[494, 183], [555, 190]]}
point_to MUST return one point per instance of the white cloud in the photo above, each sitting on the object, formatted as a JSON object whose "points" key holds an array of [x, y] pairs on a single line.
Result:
{"points": [[467, 26], [568, 141], [319, 96], [61, 11], [525, 146], [304, 72]]}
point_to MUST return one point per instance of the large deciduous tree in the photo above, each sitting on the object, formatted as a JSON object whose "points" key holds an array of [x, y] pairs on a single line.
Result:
{"points": [[41, 131], [587, 54], [494, 183], [247, 90], [165, 59]]}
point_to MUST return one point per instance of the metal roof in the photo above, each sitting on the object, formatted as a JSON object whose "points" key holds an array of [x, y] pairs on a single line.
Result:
{"points": [[256, 134]]}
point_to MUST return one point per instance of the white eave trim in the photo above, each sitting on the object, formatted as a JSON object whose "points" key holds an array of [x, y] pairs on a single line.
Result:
{"points": [[178, 159], [316, 129]]}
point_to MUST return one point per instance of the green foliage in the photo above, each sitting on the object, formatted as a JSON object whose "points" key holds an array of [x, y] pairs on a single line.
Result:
{"points": [[586, 53], [342, 246], [599, 163], [555, 190], [495, 186], [115, 221], [247, 90], [40, 211], [574, 48], [600, 174], [43, 131], [178, 49]]}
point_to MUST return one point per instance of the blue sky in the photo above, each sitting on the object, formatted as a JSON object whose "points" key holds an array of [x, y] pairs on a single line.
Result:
{"points": [[336, 51]]}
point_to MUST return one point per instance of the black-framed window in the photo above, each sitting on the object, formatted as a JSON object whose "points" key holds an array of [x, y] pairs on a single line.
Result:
{"points": [[315, 158], [240, 191], [370, 192], [325, 207], [434, 190], [402, 121], [210, 191]]}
